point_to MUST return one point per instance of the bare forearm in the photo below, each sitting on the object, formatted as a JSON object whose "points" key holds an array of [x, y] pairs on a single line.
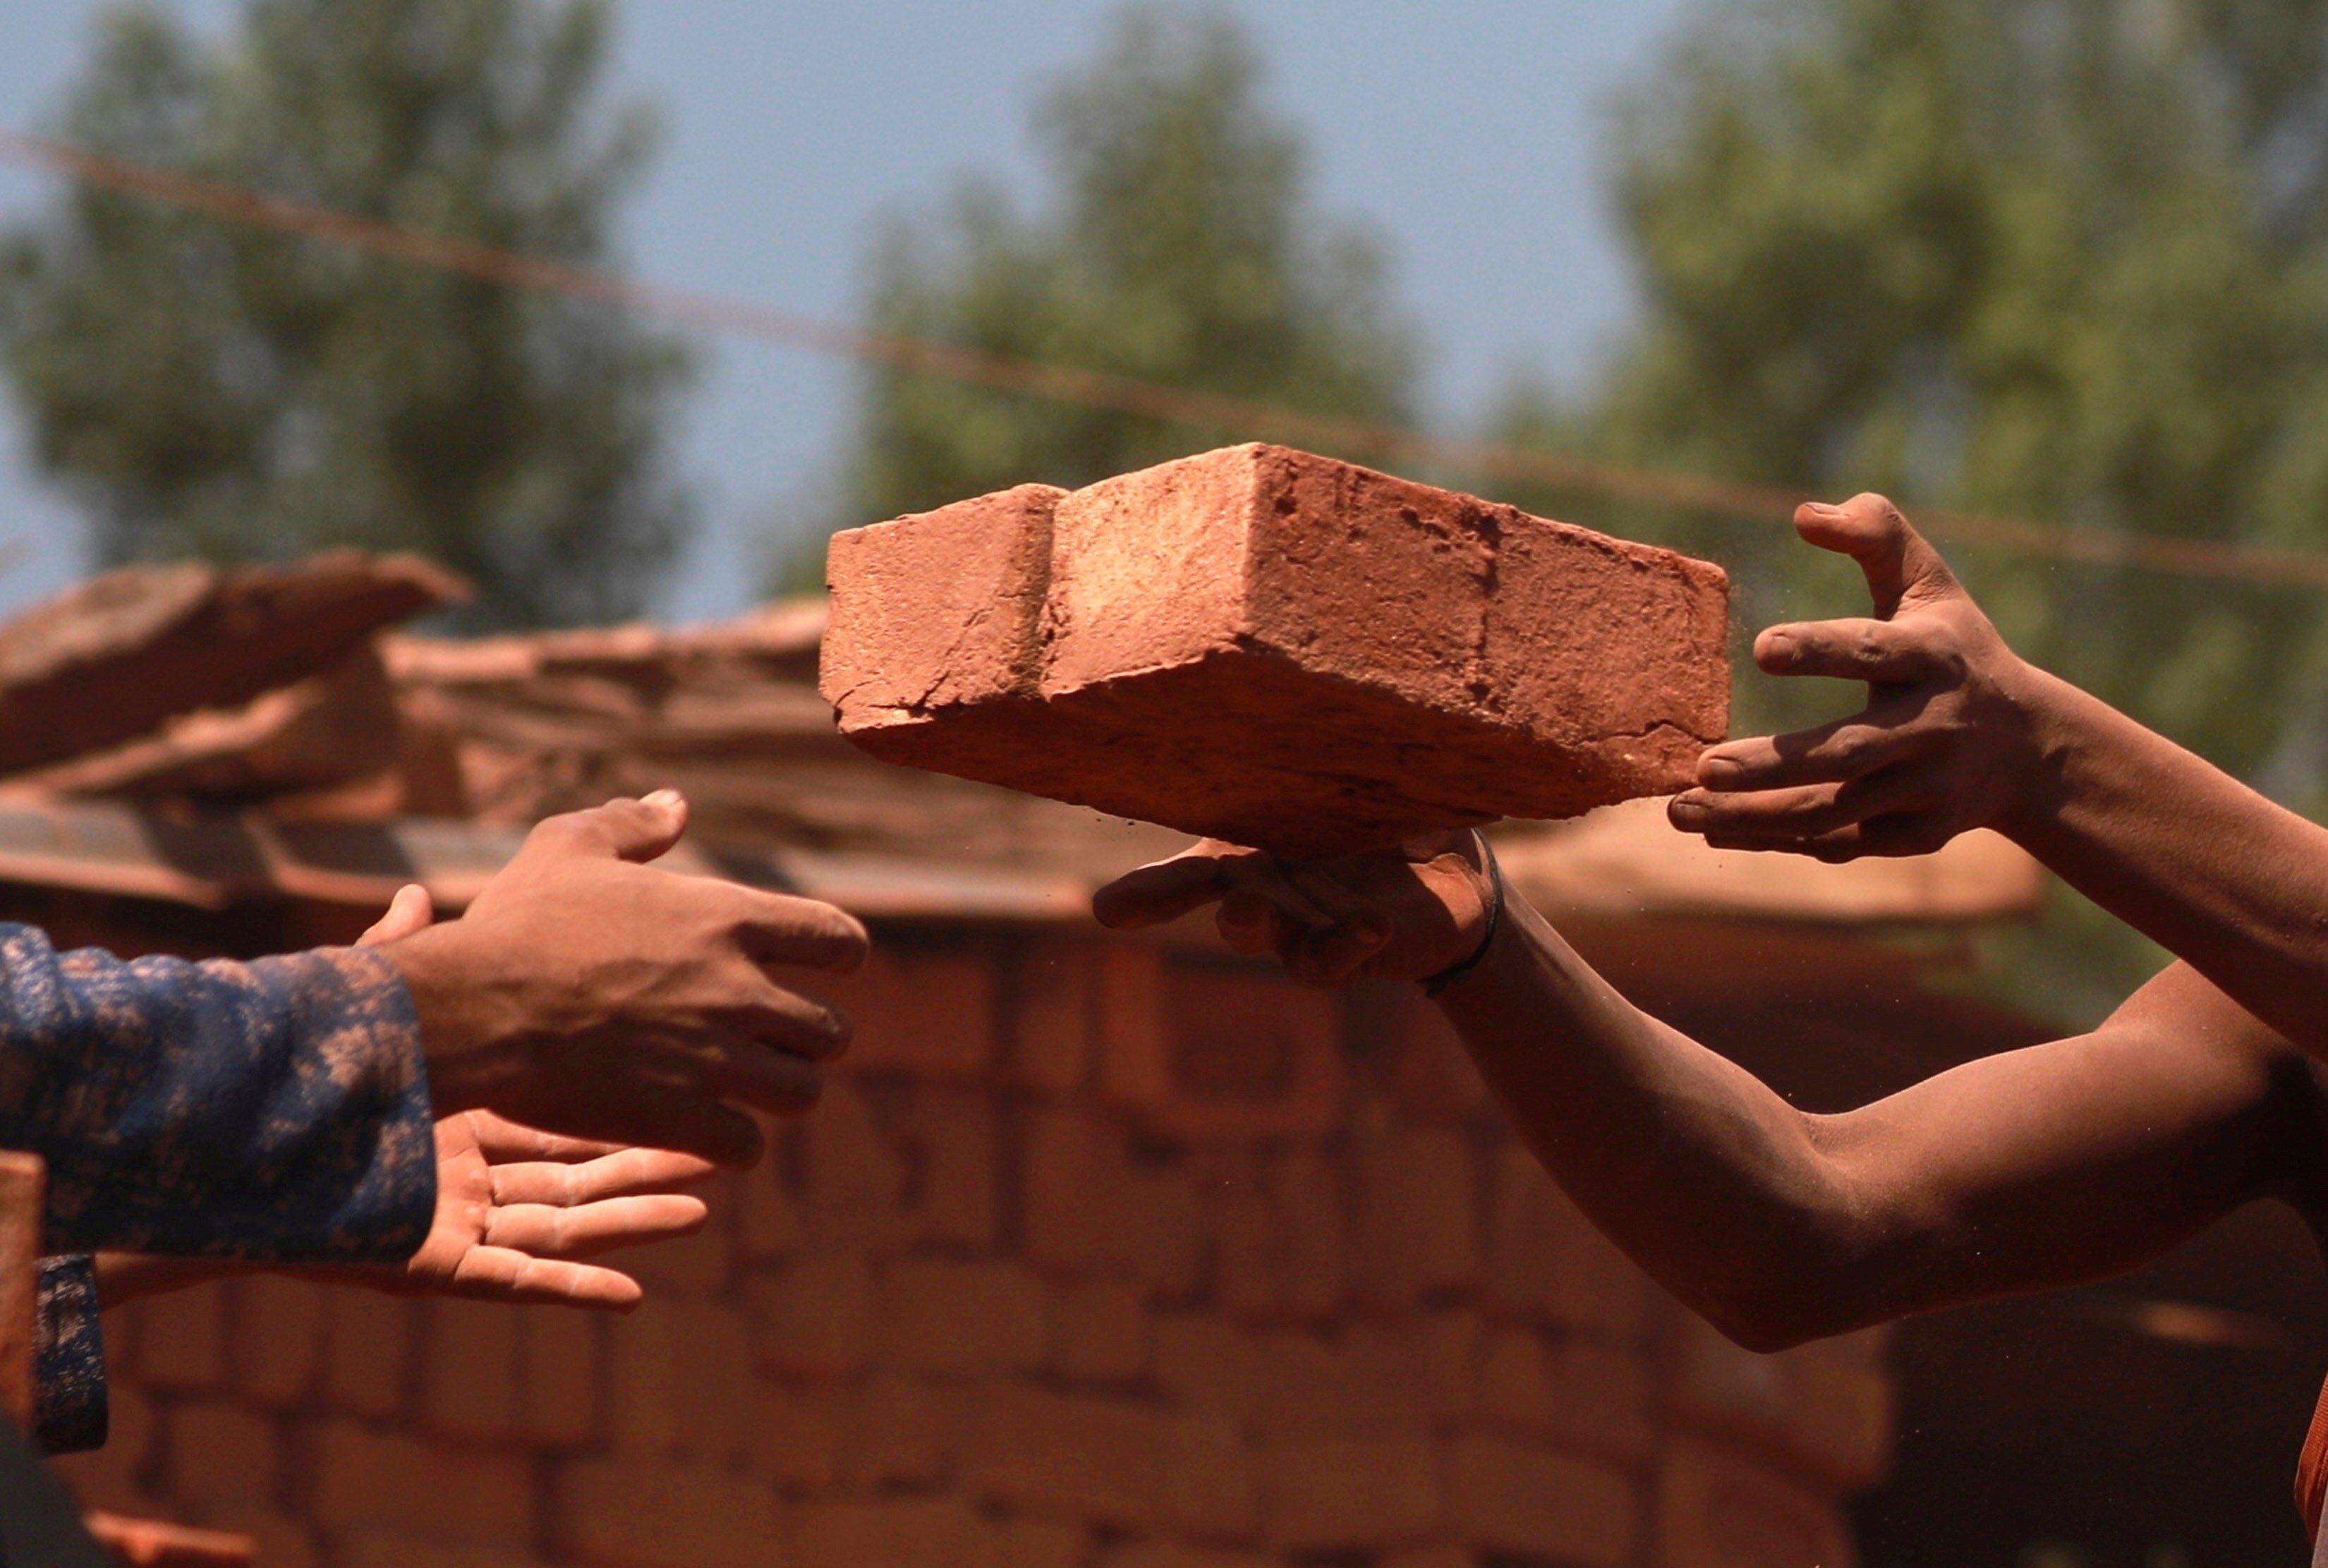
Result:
{"points": [[2203, 865], [1707, 1179]]}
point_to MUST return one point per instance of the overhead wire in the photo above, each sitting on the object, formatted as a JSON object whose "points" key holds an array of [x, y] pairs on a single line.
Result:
{"points": [[718, 314]]}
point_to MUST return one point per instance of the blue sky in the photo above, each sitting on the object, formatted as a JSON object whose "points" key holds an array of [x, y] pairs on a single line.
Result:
{"points": [[1469, 133]]}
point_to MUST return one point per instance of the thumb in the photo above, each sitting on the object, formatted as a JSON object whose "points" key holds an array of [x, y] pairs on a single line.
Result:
{"points": [[624, 830], [409, 911], [1899, 562]]}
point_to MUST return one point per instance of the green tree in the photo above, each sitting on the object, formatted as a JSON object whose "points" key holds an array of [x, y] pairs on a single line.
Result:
{"points": [[2066, 259], [1179, 246], [207, 388]]}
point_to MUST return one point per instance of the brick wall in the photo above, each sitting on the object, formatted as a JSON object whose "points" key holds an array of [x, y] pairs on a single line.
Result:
{"points": [[1098, 1255]]}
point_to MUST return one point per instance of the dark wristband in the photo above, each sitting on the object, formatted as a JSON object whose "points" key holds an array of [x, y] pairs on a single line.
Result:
{"points": [[1434, 985]]}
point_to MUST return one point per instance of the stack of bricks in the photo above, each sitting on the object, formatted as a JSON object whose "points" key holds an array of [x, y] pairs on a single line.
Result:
{"points": [[1098, 1254]]}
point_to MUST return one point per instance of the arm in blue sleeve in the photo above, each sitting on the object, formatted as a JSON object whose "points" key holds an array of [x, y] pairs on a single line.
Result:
{"points": [[69, 1412], [276, 1110]]}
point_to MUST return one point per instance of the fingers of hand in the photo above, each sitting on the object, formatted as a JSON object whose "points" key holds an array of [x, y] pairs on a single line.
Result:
{"points": [[409, 911], [622, 1174], [500, 1140], [1851, 649], [798, 933], [1165, 890], [689, 1119], [548, 1231], [1869, 528], [499, 1274], [1792, 817], [627, 829], [779, 1081], [1848, 748]]}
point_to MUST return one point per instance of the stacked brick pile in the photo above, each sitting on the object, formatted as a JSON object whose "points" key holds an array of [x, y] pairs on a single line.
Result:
{"points": [[1099, 1255]]}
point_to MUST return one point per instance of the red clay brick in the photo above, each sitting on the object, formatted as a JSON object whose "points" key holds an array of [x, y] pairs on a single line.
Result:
{"points": [[221, 1453], [560, 1359], [113, 1476], [277, 1341], [1089, 1208], [182, 1339], [363, 1477], [892, 1533], [469, 1369], [1088, 1459], [281, 1542], [1417, 1221], [1827, 1406], [1207, 1485], [1718, 1509], [961, 1318], [796, 1436], [1207, 1364], [1099, 1330], [1431, 1557], [1446, 1346], [1055, 1016], [635, 1514], [1508, 1498], [1373, 1380], [814, 1319], [1038, 1544], [1313, 1236], [932, 1014], [767, 1221], [1544, 1258], [948, 1138], [1279, 648], [696, 1265], [1347, 1493], [390, 1549], [1175, 1554], [1234, 1057], [901, 1431], [1581, 1393], [367, 1351], [854, 1185]]}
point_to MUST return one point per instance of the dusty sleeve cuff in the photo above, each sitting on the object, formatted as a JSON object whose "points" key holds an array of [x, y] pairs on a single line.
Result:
{"points": [[69, 1402]]}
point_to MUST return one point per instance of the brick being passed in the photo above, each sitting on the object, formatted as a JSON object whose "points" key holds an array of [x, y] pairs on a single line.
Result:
{"points": [[1278, 649]]}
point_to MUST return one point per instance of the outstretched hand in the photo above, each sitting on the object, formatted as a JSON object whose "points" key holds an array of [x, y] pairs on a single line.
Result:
{"points": [[1404, 914], [587, 993], [1943, 745]]}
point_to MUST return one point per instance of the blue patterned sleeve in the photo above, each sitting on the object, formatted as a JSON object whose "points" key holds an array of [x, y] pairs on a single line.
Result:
{"points": [[69, 1406], [276, 1109]]}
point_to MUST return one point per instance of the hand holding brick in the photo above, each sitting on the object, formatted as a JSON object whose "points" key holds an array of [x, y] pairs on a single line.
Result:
{"points": [[1277, 649]]}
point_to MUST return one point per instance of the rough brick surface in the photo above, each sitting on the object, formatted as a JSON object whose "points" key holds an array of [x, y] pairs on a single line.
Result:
{"points": [[1277, 648]]}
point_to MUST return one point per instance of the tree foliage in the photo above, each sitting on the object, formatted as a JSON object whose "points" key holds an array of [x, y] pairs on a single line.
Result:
{"points": [[221, 391], [1179, 245]]}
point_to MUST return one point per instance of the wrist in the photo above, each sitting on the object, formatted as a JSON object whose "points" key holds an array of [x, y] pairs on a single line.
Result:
{"points": [[1492, 899], [454, 1003], [2050, 725]]}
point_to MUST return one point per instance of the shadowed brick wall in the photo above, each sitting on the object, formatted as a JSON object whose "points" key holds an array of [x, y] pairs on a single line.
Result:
{"points": [[1097, 1255]]}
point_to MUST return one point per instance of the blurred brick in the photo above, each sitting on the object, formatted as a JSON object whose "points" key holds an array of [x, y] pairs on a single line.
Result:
{"points": [[892, 1533], [1174, 1554], [1370, 1381], [1447, 1345], [1051, 1026], [637, 1513], [767, 1221], [1582, 1393], [388, 1549], [280, 1541], [1099, 1330], [1826, 1405], [114, 1477], [1343, 1493], [1431, 1074], [1312, 1234], [469, 1368], [1248, 1254], [1719, 1509], [182, 1339], [932, 1014], [796, 1437], [1088, 1459], [852, 1181], [1509, 1498], [814, 1318], [1544, 1258], [1431, 1557], [221, 1453], [277, 1341], [1207, 1485], [713, 1388], [1037, 1544], [367, 1351], [361, 1478], [1417, 1226], [900, 1431], [1200, 1054], [696, 1265], [961, 1318], [1090, 1207], [948, 1140], [643, 1381], [1208, 1364], [559, 1369]]}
